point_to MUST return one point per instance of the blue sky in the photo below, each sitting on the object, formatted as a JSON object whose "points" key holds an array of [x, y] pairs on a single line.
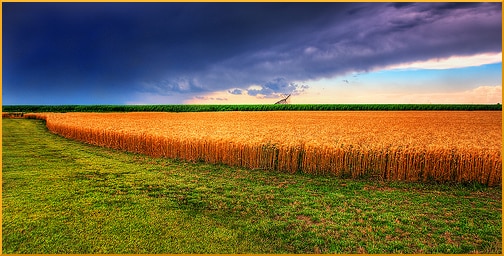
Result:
{"points": [[229, 53]]}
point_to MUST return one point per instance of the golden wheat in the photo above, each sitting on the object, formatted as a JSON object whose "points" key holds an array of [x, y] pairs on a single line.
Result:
{"points": [[441, 146]]}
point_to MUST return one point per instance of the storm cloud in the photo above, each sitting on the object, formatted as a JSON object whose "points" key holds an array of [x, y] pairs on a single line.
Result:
{"points": [[110, 49]]}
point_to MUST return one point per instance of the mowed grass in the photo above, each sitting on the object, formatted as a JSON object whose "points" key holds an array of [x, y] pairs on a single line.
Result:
{"points": [[61, 196]]}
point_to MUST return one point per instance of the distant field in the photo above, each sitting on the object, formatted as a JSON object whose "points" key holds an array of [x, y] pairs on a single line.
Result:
{"points": [[62, 196], [272, 107]]}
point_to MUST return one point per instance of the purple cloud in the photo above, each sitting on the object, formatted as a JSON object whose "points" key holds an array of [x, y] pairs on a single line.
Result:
{"points": [[122, 49]]}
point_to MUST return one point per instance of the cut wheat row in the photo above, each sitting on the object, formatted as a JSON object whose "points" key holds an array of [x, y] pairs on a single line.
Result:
{"points": [[239, 140]]}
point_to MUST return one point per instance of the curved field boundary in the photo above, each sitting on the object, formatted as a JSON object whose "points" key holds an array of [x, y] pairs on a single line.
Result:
{"points": [[178, 138]]}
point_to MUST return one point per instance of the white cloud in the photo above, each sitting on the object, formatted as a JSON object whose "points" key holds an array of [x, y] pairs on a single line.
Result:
{"points": [[452, 62], [254, 87]]}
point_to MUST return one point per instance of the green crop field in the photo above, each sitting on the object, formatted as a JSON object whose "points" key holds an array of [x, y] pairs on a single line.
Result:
{"points": [[272, 107], [61, 196]]}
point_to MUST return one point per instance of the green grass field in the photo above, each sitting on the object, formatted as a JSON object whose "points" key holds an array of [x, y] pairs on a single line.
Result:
{"points": [[61, 196]]}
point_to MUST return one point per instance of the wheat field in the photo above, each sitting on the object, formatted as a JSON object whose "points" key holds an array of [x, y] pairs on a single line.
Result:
{"points": [[443, 146]]}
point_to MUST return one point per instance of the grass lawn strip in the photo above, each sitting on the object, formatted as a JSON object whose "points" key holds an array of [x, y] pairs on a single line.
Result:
{"points": [[60, 196]]}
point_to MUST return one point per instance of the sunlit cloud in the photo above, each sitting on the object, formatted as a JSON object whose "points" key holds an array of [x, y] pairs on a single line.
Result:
{"points": [[478, 95], [225, 97], [452, 62]]}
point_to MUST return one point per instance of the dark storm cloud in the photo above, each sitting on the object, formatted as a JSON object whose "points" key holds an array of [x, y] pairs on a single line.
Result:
{"points": [[363, 39], [106, 52], [165, 87]]}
